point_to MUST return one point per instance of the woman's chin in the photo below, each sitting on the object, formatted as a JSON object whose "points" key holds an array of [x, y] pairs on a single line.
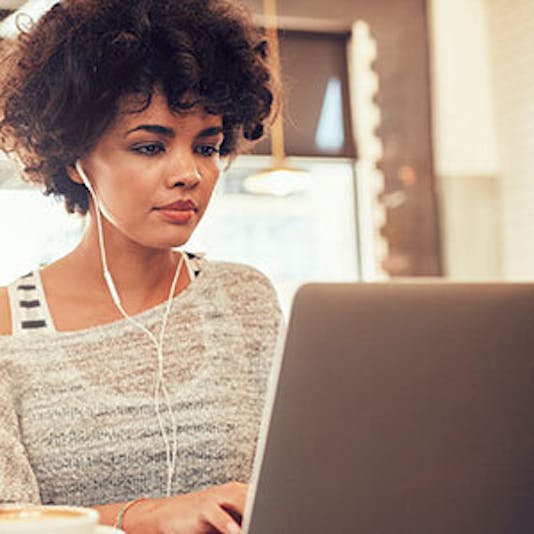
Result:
{"points": [[165, 243]]}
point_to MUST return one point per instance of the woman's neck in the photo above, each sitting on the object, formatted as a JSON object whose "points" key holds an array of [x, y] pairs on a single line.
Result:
{"points": [[142, 276]]}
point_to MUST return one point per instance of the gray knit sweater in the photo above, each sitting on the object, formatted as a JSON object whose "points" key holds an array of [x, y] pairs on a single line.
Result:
{"points": [[77, 419]]}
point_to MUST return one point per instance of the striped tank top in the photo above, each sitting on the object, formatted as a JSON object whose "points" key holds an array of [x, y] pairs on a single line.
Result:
{"points": [[29, 309]]}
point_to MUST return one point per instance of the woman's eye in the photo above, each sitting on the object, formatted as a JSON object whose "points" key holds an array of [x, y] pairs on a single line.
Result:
{"points": [[207, 150], [149, 149]]}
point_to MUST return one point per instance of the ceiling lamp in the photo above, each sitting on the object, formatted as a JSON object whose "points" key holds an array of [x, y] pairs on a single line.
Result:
{"points": [[281, 179]]}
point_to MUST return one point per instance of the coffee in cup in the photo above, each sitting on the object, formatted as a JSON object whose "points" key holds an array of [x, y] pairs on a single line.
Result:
{"points": [[47, 519]]}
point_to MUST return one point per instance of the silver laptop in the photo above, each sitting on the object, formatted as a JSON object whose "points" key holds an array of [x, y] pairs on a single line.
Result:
{"points": [[400, 409]]}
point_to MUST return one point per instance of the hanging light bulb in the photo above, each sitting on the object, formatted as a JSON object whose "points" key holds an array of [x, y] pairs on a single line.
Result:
{"points": [[281, 179], [277, 181]]}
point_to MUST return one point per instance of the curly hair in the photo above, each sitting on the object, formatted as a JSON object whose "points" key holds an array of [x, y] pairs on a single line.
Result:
{"points": [[61, 82]]}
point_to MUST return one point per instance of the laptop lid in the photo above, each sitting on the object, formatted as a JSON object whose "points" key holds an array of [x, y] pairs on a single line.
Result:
{"points": [[400, 408]]}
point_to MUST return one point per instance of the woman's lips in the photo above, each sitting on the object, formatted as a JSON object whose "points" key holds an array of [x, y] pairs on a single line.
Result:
{"points": [[177, 216], [180, 212]]}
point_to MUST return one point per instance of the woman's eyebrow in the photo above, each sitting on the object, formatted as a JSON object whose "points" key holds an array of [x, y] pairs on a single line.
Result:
{"points": [[153, 128], [169, 132], [209, 132]]}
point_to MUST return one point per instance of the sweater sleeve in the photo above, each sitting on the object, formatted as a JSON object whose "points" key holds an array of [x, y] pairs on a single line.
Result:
{"points": [[256, 303], [17, 480]]}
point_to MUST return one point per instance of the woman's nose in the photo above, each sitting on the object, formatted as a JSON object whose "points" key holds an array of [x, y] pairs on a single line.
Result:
{"points": [[185, 176]]}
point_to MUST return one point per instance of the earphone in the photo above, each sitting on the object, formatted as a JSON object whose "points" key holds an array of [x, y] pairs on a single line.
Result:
{"points": [[160, 382]]}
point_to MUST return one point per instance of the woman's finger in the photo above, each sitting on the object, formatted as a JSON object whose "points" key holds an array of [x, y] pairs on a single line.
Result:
{"points": [[222, 521], [234, 497]]}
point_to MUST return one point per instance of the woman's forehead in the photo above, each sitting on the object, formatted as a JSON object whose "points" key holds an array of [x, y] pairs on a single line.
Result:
{"points": [[132, 109]]}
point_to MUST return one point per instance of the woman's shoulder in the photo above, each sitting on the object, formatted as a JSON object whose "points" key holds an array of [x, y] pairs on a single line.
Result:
{"points": [[238, 275], [5, 313], [247, 288]]}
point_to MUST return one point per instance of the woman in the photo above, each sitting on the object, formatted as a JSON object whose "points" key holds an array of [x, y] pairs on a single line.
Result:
{"points": [[132, 375]]}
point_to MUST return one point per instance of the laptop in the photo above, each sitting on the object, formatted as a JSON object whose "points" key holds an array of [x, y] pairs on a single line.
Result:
{"points": [[400, 408]]}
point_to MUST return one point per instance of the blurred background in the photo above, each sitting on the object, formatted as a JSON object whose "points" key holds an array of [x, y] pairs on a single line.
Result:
{"points": [[411, 123]]}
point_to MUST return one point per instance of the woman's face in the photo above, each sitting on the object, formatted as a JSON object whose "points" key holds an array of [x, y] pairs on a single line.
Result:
{"points": [[154, 172]]}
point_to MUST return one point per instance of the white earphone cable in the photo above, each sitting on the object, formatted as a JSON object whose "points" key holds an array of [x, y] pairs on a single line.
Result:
{"points": [[160, 381]]}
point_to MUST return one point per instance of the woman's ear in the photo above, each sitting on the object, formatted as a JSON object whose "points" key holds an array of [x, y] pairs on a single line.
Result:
{"points": [[74, 175]]}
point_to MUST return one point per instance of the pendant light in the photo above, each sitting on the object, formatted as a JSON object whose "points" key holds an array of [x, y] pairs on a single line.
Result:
{"points": [[281, 179]]}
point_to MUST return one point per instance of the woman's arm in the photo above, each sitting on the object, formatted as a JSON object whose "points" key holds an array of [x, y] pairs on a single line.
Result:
{"points": [[17, 479], [5, 313], [201, 512], [109, 512]]}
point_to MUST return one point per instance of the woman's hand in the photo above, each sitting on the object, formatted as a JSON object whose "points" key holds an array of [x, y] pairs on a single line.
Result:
{"points": [[215, 510]]}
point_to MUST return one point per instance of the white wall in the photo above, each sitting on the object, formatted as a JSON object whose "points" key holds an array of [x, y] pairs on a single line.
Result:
{"points": [[512, 43], [11, 4], [464, 126], [466, 152]]}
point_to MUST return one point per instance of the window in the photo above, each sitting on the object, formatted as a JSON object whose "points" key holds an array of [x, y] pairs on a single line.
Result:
{"points": [[307, 236]]}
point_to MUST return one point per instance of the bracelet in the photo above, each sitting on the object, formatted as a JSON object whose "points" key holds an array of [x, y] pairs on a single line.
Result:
{"points": [[124, 509]]}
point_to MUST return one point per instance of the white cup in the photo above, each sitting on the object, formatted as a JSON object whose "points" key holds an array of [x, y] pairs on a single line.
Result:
{"points": [[47, 519]]}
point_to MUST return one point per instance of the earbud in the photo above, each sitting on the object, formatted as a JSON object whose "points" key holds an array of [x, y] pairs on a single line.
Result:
{"points": [[112, 288], [107, 275], [85, 180], [160, 383]]}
